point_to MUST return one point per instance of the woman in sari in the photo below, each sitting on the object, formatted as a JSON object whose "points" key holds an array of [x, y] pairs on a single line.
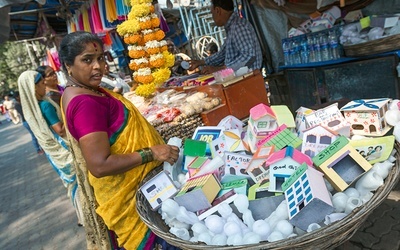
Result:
{"points": [[114, 145], [44, 119], [53, 90]]}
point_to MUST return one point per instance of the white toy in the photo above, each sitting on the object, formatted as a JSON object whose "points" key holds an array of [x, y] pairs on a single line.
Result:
{"points": [[242, 204]]}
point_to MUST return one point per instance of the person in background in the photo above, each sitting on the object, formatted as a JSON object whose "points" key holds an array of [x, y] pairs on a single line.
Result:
{"points": [[18, 107], [114, 146], [43, 116], [241, 47], [9, 105], [113, 82], [211, 49], [53, 89], [177, 69]]}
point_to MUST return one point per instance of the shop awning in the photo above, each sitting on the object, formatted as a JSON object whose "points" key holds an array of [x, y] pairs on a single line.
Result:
{"points": [[27, 20]]}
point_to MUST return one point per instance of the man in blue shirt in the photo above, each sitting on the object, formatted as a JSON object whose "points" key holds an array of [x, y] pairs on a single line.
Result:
{"points": [[241, 47]]}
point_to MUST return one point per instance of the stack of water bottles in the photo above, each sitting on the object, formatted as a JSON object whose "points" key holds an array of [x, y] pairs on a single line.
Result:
{"points": [[312, 47]]}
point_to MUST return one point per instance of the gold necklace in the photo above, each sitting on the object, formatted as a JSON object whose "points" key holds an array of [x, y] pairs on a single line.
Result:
{"points": [[84, 87]]}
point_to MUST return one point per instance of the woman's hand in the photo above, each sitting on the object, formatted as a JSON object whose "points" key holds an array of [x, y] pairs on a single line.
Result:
{"points": [[166, 153]]}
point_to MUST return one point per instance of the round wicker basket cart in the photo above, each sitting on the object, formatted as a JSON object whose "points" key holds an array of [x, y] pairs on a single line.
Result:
{"points": [[327, 237]]}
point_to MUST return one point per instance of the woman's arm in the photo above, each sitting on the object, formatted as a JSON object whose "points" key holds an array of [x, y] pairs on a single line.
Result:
{"points": [[100, 162], [59, 128]]}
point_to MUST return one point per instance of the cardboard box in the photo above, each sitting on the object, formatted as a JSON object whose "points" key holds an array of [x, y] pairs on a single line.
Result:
{"points": [[245, 93], [213, 116]]}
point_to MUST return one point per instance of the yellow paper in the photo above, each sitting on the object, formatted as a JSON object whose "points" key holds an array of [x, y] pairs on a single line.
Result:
{"points": [[365, 22]]}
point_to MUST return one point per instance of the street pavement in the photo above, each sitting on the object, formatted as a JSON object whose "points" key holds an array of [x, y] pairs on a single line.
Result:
{"points": [[35, 212]]}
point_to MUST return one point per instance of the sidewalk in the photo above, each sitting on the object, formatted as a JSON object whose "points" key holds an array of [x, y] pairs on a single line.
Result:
{"points": [[35, 212]]}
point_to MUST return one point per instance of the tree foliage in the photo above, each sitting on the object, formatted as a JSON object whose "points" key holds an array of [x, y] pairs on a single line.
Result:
{"points": [[16, 59]]}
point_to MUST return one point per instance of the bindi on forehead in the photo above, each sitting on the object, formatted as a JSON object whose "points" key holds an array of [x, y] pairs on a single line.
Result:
{"points": [[95, 46]]}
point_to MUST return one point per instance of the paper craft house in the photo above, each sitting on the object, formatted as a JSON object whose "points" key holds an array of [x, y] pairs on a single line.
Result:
{"points": [[374, 149], [282, 165], [307, 197], [229, 141], [316, 139], [262, 121], [300, 120], [198, 193], [236, 164], [231, 122], [284, 116], [258, 169], [329, 117], [158, 189], [366, 116], [280, 138], [341, 164]]}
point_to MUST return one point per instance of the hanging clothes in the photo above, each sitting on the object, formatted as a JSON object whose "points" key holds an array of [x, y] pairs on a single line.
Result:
{"points": [[106, 24], [122, 9], [85, 20], [95, 17], [111, 11]]}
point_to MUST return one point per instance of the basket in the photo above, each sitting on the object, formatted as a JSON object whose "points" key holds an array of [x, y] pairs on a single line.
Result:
{"points": [[377, 46], [327, 237]]}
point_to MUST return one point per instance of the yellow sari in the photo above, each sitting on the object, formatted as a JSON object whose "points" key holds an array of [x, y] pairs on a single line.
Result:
{"points": [[115, 196]]}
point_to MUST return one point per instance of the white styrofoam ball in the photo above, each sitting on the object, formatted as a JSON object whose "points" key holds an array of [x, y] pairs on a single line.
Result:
{"points": [[282, 211], [199, 228], [339, 201], [352, 192], [251, 238], [234, 239], [205, 237], [394, 104], [219, 240], [284, 227], [241, 202], [396, 132], [215, 223], [262, 228], [231, 228], [392, 117], [275, 236]]}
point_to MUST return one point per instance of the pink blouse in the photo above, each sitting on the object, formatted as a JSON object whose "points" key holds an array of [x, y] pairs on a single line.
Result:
{"points": [[86, 114]]}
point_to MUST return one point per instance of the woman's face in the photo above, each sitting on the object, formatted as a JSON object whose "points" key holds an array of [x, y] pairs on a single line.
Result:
{"points": [[88, 67], [50, 78], [40, 89]]}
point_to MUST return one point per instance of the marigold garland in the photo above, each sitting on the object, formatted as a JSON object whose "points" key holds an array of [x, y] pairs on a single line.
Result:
{"points": [[145, 90], [128, 27], [136, 2], [149, 52], [160, 76], [139, 10], [169, 59]]}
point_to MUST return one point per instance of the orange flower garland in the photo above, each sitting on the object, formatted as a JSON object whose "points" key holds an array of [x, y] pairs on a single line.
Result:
{"points": [[149, 52]]}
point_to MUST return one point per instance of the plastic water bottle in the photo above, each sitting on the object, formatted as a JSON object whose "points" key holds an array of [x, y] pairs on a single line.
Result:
{"points": [[333, 45], [304, 52], [310, 44], [286, 50], [324, 47], [294, 51], [317, 49]]}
